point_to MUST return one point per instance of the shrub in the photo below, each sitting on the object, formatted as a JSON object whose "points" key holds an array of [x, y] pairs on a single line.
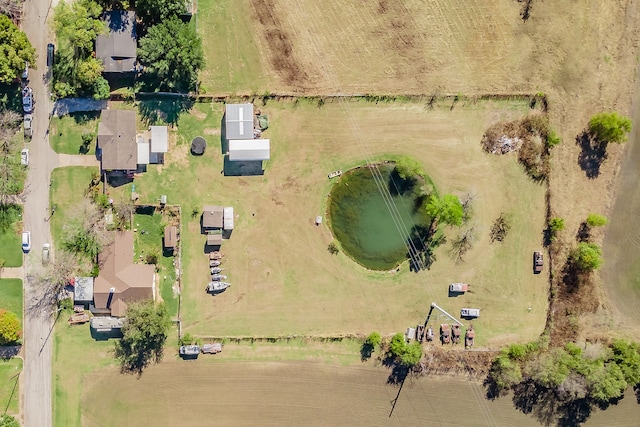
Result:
{"points": [[587, 256], [374, 339], [10, 330], [553, 139], [408, 168], [609, 127], [500, 227], [333, 248], [555, 225], [186, 339], [596, 220]]}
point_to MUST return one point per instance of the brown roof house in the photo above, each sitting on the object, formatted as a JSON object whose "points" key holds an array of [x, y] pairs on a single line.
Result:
{"points": [[120, 280], [117, 145], [212, 217], [117, 48], [170, 237]]}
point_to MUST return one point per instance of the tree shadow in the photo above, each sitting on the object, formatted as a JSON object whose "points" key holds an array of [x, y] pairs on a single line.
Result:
{"points": [[366, 350], [84, 117], [159, 109], [525, 13], [593, 153], [584, 232], [398, 186]]}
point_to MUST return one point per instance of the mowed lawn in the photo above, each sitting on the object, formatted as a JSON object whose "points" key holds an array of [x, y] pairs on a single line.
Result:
{"points": [[66, 132], [11, 241], [11, 296], [9, 385], [284, 281]]}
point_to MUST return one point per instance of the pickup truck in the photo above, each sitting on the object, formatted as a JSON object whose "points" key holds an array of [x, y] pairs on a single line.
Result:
{"points": [[538, 262]]}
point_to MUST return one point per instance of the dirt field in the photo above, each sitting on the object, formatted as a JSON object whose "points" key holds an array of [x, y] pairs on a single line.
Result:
{"points": [[298, 393], [284, 279]]}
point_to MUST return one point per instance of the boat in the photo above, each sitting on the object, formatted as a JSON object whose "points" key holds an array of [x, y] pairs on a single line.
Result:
{"points": [[189, 350], [335, 174], [215, 270], [214, 263], [215, 255], [217, 286], [218, 277]]}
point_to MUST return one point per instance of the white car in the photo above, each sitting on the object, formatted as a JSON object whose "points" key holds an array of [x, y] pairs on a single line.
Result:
{"points": [[27, 100], [26, 241], [24, 157], [46, 249], [28, 125]]}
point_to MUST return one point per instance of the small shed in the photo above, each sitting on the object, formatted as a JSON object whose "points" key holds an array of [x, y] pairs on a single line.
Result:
{"points": [[214, 239], [107, 324], [212, 217], [83, 290], [159, 139], [228, 218], [170, 236], [143, 152], [238, 121], [249, 150]]}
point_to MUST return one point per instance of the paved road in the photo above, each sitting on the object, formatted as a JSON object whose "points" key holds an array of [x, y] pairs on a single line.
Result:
{"points": [[36, 379]]}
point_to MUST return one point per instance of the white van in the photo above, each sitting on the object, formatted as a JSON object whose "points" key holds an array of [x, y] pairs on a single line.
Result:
{"points": [[470, 313], [26, 241]]}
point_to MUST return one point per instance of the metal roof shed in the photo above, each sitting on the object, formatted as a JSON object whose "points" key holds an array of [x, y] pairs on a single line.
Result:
{"points": [[249, 149], [83, 289], [143, 152], [159, 140], [228, 218], [238, 121]]}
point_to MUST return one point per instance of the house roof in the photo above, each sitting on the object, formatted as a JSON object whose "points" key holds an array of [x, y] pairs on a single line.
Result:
{"points": [[117, 140], [117, 48], [238, 121], [214, 239], [159, 139], [83, 289], [170, 236], [130, 282], [249, 149], [212, 216]]}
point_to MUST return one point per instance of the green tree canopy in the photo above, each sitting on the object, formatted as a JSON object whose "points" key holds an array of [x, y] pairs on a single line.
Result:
{"points": [[596, 220], [408, 168], [446, 209], [405, 354], [156, 11], [172, 55], [78, 24], [587, 256], [8, 421], [15, 50], [374, 339], [10, 330], [610, 127], [144, 336]]}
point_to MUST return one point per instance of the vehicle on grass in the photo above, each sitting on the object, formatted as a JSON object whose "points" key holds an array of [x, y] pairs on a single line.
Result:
{"points": [[212, 348], [24, 157], [217, 286], [218, 277], [216, 270], [445, 334], [538, 262], [26, 241], [471, 313], [469, 337], [28, 125], [214, 263], [458, 288], [46, 249], [189, 350], [50, 51], [27, 100], [455, 333], [430, 334]]}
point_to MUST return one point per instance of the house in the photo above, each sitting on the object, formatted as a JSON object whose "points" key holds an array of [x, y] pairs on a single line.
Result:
{"points": [[117, 148], [121, 281], [249, 150], [212, 217], [238, 121], [117, 48], [170, 237], [228, 219], [151, 150], [83, 291], [214, 239]]}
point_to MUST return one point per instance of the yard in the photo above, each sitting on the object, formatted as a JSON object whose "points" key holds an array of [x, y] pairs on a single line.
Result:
{"points": [[66, 132], [284, 279], [10, 385], [10, 239], [11, 296]]}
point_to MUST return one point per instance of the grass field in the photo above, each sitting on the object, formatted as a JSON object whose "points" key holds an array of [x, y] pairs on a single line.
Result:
{"points": [[11, 295], [66, 133], [9, 385], [10, 241], [285, 281], [75, 354]]}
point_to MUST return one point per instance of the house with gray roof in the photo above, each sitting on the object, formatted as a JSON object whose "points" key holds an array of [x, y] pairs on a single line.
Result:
{"points": [[117, 146], [117, 48]]}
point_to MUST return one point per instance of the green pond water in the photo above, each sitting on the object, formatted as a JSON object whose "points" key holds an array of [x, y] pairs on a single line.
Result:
{"points": [[362, 222]]}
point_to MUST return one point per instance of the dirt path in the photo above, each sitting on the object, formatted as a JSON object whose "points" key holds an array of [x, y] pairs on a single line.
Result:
{"points": [[77, 160], [12, 273]]}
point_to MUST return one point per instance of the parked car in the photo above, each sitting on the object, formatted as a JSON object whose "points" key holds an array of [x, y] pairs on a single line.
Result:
{"points": [[50, 51], [25, 73], [26, 241], [27, 100], [470, 312], [24, 157], [28, 125], [46, 249], [538, 262]]}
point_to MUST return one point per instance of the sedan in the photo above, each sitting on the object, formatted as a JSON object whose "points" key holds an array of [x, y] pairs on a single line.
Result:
{"points": [[24, 157], [27, 100]]}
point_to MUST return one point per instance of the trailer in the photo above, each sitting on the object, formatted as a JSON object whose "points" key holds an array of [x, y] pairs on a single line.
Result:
{"points": [[212, 348]]}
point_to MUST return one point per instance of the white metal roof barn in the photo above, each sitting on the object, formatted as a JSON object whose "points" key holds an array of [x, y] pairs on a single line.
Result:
{"points": [[238, 121], [249, 150]]}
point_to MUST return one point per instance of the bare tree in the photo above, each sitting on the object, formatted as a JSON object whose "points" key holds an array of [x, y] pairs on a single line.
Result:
{"points": [[11, 8], [463, 244], [50, 281]]}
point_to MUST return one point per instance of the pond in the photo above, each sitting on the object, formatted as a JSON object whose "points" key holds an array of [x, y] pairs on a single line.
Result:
{"points": [[361, 219]]}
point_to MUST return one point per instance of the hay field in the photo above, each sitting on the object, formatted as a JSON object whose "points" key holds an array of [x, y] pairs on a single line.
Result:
{"points": [[297, 393], [284, 279]]}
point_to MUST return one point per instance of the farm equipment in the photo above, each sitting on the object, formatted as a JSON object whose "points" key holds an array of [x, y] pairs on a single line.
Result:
{"points": [[430, 334], [455, 334], [469, 337], [470, 313], [445, 334]]}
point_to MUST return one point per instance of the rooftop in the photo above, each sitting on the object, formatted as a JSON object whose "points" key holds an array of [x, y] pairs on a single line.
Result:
{"points": [[117, 140], [212, 216], [117, 48], [238, 121]]}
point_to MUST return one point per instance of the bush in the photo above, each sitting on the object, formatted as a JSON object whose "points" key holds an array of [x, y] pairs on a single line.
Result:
{"points": [[333, 248], [596, 220], [609, 127], [555, 225], [587, 256], [186, 339], [10, 330], [553, 139], [374, 339], [408, 168], [405, 354]]}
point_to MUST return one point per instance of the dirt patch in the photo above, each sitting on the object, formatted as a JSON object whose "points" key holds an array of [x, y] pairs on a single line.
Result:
{"points": [[178, 155], [198, 114], [211, 131]]}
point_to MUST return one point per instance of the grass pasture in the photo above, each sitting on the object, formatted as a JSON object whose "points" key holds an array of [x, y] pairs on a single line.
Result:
{"points": [[11, 238], [9, 385], [66, 132], [284, 279], [11, 296]]}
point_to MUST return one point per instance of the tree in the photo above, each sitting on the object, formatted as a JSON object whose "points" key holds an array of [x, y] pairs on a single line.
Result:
{"points": [[51, 280], [8, 421], [79, 24], [609, 127], [15, 51], [596, 220], [10, 330], [501, 227], [172, 55], [156, 11], [408, 168], [446, 209], [374, 339], [587, 256], [407, 355], [85, 234], [88, 71], [144, 336], [555, 225]]}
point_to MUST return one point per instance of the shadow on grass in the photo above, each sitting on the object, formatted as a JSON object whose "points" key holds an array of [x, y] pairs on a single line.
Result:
{"points": [[84, 117], [592, 154], [366, 350], [159, 109]]}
